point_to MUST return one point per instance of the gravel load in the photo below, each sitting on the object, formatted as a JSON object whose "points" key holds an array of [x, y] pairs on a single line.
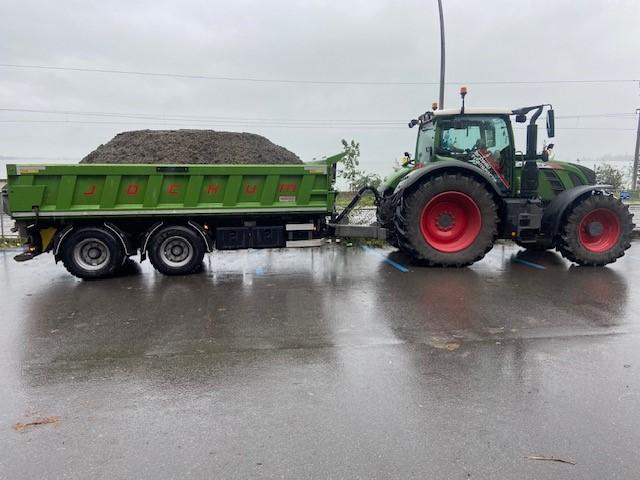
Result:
{"points": [[190, 146]]}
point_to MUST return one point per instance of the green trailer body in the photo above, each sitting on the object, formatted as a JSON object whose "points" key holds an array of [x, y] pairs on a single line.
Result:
{"points": [[93, 217], [99, 191]]}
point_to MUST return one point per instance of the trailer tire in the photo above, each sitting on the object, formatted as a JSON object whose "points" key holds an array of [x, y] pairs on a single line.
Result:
{"points": [[92, 253], [597, 231], [176, 250], [450, 220]]}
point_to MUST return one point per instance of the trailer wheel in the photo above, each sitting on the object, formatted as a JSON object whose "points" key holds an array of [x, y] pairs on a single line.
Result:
{"points": [[451, 220], [91, 253], [597, 231], [176, 250]]}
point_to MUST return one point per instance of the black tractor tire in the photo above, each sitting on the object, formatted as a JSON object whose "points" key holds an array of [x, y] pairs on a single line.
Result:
{"points": [[176, 250], [611, 237], [537, 246], [478, 220], [92, 252], [385, 217]]}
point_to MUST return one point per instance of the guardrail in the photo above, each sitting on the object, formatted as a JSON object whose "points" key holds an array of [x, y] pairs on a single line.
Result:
{"points": [[635, 209]]}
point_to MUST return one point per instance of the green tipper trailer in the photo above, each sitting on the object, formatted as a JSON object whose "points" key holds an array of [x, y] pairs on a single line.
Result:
{"points": [[92, 217]]}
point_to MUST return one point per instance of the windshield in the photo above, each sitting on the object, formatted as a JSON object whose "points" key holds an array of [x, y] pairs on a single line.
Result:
{"points": [[459, 136]]}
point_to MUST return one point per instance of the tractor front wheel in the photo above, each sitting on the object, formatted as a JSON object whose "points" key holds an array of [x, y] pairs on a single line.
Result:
{"points": [[597, 231], [450, 220]]}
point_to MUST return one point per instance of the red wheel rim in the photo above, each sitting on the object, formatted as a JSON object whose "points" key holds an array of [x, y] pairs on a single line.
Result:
{"points": [[450, 222], [599, 230]]}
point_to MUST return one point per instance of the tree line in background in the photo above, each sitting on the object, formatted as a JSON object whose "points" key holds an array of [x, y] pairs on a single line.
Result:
{"points": [[618, 178]]}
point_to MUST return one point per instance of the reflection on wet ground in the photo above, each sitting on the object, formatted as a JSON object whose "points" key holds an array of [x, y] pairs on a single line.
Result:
{"points": [[322, 363]]}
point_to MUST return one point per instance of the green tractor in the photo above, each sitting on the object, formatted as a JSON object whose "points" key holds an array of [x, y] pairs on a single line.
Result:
{"points": [[467, 186]]}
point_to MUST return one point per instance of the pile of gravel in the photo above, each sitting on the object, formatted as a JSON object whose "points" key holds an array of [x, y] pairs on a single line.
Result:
{"points": [[190, 146]]}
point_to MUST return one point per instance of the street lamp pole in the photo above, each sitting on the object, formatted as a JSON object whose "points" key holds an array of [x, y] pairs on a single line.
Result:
{"points": [[636, 157], [441, 99]]}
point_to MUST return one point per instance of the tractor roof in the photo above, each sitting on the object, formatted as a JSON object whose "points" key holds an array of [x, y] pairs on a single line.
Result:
{"points": [[473, 111]]}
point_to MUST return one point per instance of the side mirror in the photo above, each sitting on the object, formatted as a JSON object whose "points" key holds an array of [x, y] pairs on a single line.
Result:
{"points": [[546, 152], [545, 155], [521, 118], [551, 124]]}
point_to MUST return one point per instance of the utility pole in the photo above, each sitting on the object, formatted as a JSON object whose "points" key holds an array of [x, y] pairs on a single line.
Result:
{"points": [[441, 99], [634, 175]]}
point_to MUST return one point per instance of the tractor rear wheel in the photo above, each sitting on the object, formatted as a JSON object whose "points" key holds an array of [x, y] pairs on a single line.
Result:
{"points": [[450, 220], [385, 218], [597, 231]]}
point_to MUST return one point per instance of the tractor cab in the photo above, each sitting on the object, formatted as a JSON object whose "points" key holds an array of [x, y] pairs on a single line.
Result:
{"points": [[481, 137]]}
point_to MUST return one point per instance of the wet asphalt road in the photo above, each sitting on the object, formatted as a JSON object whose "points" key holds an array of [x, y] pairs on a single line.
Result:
{"points": [[323, 363]]}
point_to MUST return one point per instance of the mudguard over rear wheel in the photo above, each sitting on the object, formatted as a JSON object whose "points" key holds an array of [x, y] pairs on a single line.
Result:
{"points": [[451, 220], [597, 231]]}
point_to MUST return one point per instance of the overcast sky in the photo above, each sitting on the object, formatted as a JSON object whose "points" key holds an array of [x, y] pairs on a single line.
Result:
{"points": [[347, 40]]}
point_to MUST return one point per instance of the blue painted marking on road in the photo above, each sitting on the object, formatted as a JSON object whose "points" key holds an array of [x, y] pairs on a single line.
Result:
{"points": [[259, 271], [528, 264], [395, 265]]}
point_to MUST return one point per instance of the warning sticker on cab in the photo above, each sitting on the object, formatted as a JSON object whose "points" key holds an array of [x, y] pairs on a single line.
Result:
{"points": [[287, 198]]}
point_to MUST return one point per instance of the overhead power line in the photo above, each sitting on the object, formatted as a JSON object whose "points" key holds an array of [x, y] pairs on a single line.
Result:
{"points": [[230, 119], [311, 81], [264, 125]]}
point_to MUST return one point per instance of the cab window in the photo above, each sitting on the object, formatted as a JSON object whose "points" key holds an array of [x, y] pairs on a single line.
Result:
{"points": [[461, 135], [424, 146], [483, 141]]}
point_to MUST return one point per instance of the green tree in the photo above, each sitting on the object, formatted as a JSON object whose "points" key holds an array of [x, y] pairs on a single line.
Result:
{"points": [[609, 175], [356, 178], [350, 162], [367, 179]]}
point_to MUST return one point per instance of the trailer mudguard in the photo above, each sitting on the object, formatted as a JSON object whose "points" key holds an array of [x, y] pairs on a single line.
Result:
{"points": [[145, 240], [58, 241], [418, 175], [554, 212], [121, 236], [203, 233]]}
